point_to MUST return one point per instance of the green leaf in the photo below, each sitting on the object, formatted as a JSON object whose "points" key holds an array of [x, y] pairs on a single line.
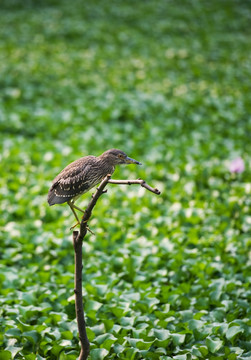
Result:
{"points": [[144, 345], [5, 355], [233, 331], [213, 345], [38, 357], [105, 340], [195, 324], [186, 315], [127, 321], [65, 343], [140, 344], [98, 354], [69, 356], [203, 350], [56, 349], [90, 334], [151, 302], [232, 356], [92, 305], [180, 357], [14, 350], [67, 335], [14, 332], [118, 312], [131, 353], [32, 336], [162, 334], [178, 339]]}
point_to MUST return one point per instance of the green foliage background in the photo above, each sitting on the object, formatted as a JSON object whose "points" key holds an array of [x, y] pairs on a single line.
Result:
{"points": [[168, 82]]}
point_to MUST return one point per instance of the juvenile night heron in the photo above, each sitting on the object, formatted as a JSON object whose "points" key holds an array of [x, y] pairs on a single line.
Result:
{"points": [[82, 175]]}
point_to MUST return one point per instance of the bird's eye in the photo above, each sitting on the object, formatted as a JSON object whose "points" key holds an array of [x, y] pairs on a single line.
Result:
{"points": [[120, 156]]}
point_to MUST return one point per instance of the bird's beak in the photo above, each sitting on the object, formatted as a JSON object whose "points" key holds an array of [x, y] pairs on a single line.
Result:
{"points": [[131, 161]]}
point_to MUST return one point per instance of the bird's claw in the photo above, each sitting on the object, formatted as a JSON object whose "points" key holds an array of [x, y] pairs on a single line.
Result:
{"points": [[87, 228], [78, 223]]}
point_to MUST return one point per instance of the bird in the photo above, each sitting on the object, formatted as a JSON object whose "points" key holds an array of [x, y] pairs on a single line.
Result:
{"points": [[82, 175]]}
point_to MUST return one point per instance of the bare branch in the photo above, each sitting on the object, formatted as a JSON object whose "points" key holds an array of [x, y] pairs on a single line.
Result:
{"points": [[78, 237], [85, 345], [138, 181]]}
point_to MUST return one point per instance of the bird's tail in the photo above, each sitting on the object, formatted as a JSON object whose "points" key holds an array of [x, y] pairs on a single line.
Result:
{"points": [[54, 199]]}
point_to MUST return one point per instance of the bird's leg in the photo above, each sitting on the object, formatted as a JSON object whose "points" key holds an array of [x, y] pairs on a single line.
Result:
{"points": [[70, 203], [73, 206], [76, 207]]}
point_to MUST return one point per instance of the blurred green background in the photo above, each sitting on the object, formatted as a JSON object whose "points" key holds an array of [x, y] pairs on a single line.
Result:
{"points": [[168, 82]]}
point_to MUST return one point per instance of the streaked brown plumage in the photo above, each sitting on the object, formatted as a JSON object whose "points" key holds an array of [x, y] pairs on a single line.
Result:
{"points": [[82, 175]]}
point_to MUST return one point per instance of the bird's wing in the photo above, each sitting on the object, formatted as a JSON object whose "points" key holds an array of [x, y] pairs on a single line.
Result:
{"points": [[75, 182], [71, 182]]}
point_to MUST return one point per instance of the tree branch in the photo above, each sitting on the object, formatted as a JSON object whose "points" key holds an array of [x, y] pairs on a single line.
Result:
{"points": [[85, 345], [78, 237], [138, 181]]}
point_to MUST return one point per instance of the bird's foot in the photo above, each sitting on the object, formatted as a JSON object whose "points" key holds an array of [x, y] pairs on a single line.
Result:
{"points": [[78, 223], [87, 227]]}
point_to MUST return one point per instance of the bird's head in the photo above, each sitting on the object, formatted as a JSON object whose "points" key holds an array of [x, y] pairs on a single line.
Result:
{"points": [[115, 157]]}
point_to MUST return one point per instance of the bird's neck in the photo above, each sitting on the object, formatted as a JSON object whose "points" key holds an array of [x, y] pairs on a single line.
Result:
{"points": [[106, 165]]}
